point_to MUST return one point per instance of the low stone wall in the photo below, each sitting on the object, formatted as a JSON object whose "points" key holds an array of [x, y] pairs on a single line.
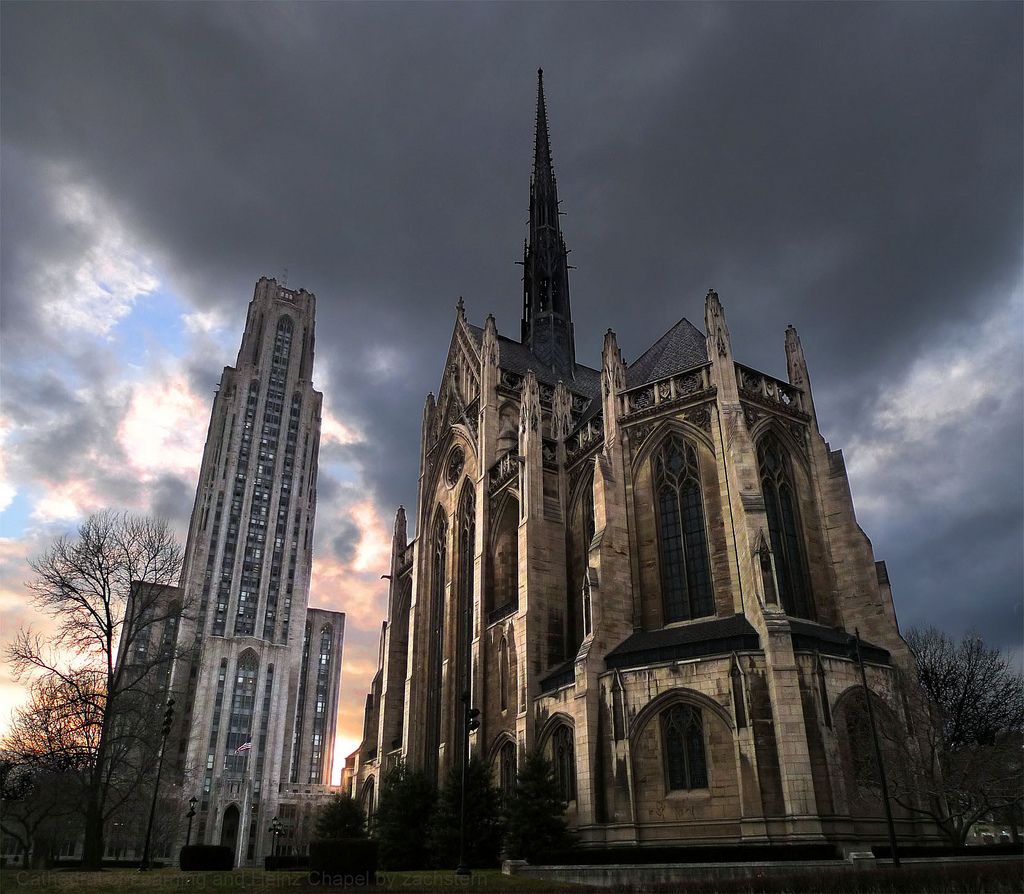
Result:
{"points": [[637, 874]]}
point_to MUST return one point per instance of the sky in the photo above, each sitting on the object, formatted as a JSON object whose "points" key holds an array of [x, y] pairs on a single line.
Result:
{"points": [[852, 169]]}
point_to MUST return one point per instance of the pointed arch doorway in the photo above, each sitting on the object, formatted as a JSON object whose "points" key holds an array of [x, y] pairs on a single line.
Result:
{"points": [[229, 828]]}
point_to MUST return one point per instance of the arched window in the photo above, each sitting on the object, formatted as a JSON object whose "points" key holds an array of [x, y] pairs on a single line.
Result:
{"points": [[467, 539], [369, 808], [682, 732], [784, 527], [507, 770], [503, 567], [438, 569], [243, 705], [503, 673], [563, 754], [739, 703], [685, 569], [467, 543], [580, 534]]}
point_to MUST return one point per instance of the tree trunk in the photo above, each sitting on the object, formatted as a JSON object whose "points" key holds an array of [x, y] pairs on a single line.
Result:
{"points": [[92, 849], [962, 834]]}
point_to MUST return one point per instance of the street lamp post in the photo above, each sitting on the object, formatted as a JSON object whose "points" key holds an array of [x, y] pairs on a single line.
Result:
{"points": [[191, 813], [472, 722], [164, 733], [878, 753], [275, 828]]}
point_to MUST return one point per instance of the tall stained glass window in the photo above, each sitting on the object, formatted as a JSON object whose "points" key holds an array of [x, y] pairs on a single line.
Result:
{"points": [[438, 570], [686, 765], [507, 771], [784, 528], [563, 753], [685, 568]]}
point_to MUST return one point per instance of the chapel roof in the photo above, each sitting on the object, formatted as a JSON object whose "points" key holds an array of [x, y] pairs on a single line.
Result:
{"points": [[518, 358], [682, 347]]}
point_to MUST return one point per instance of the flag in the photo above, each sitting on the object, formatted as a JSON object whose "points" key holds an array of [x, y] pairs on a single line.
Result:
{"points": [[241, 749]]}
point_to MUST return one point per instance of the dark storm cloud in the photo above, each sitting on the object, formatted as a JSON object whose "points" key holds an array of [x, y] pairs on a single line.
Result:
{"points": [[345, 541], [172, 497], [854, 169]]}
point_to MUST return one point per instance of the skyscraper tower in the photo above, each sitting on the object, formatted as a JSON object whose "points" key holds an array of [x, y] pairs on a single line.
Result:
{"points": [[261, 683]]}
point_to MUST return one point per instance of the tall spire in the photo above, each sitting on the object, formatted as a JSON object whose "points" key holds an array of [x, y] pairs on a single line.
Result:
{"points": [[547, 322]]}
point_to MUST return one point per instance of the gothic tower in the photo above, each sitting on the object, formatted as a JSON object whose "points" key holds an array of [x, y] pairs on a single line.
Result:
{"points": [[547, 321], [262, 680]]}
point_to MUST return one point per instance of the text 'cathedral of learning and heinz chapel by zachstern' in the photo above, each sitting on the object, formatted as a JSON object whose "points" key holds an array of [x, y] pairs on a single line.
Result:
{"points": [[650, 571]]}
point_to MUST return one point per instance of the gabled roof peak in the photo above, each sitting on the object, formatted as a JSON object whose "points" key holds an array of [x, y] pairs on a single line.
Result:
{"points": [[682, 347]]}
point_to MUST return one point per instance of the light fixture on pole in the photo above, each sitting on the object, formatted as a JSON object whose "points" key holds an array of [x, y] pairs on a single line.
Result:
{"points": [[878, 753], [165, 731], [275, 828], [472, 723], [191, 813]]}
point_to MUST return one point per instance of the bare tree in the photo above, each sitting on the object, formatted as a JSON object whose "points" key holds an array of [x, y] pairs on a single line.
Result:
{"points": [[111, 592], [967, 708], [35, 807], [46, 754], [976, 693]]}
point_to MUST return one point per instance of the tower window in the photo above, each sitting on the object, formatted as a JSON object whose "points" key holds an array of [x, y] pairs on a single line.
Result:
{"points": [[685, 569], [503, 674]]}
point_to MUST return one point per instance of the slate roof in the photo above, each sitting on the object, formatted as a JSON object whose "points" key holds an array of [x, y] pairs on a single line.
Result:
{"points": [[562, 675], [712, 637], [682, 347], [811, 637], [518, 358]]}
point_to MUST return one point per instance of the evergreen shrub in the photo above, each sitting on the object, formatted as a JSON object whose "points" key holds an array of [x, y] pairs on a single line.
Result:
{"points": [[534, 813], [402, 821], [483, 819]]}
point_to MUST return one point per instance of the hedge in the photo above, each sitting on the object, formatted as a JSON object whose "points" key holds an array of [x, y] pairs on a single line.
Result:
{"points": [[715, 853], [203, 857], [75, 863], [968, 850], [285, 862]]}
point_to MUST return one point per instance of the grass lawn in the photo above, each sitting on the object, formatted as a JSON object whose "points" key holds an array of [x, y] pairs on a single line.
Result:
{"points": [[991, 878], [251, 881]]}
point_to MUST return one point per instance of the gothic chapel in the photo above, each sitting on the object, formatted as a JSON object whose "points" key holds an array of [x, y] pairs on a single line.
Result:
{"points": [[650, 571]]}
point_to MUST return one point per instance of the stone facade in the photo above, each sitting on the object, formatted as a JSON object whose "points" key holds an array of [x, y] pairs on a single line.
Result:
{"points": [[651, 571], [258, 687]]}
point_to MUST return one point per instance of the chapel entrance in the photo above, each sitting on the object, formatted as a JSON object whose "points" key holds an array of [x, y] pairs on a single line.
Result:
{"points": [[229, 829]]}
